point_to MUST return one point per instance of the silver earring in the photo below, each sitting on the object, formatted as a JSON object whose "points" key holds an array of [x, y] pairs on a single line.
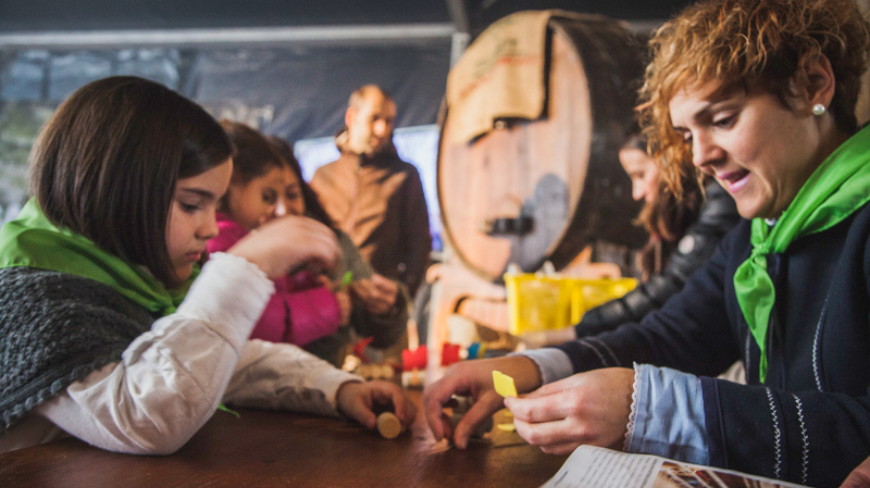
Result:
{"points": [[819, 109]]}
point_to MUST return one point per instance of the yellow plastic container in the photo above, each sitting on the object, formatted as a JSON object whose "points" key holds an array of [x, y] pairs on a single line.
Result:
{"points": [[539, 302]]}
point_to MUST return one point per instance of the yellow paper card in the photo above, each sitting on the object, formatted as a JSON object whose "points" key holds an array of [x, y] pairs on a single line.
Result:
{"points": [[504, 384]]}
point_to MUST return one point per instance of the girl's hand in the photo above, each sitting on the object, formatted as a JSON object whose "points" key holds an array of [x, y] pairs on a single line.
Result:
{"points": [[344, 305], [377, 293], [474, 379], [587, 408], [289, 242], [859, 477], [342, 296], [360, 400]]}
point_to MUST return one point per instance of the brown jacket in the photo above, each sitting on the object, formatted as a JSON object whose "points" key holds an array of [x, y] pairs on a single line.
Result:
{"points": [[379, 203]]}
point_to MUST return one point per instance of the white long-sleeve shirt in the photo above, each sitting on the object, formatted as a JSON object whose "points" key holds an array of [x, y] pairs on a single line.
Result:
{"points": [[171, 379]]}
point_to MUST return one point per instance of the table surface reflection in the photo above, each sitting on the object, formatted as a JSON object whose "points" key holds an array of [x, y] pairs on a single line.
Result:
{"points": [[266, 448]]}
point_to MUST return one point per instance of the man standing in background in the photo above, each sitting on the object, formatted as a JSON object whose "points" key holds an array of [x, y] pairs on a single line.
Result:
{"points": [[374, 196]]}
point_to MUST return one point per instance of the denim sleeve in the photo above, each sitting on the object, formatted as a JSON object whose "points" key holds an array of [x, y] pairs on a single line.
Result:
{"points": [[667, 415]]}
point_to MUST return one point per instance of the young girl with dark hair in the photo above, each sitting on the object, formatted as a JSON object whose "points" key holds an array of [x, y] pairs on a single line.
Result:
{"points": [[109, 329]]}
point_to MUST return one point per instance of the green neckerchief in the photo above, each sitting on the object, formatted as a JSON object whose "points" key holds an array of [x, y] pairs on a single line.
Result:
{"points": [[836, 189], [32, 240]]}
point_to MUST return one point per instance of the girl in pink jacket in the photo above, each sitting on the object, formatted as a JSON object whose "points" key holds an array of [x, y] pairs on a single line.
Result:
{"points": [[303, 308]]}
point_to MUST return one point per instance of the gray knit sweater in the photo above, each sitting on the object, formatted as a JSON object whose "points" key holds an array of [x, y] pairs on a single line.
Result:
{"points": [[55, 329]]}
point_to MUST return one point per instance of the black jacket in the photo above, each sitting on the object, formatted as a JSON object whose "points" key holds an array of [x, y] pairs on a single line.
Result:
{"points": [[717, 216]]}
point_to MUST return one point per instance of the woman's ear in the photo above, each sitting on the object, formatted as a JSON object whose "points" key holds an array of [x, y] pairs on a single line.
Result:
{"points": [[813, 82]]}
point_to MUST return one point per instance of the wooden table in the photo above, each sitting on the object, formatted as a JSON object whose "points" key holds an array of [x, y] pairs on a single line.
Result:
{"points": [[264, 448]]}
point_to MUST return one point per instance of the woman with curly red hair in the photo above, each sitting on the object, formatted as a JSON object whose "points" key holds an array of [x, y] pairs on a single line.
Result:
{"points": [[760, 95]]}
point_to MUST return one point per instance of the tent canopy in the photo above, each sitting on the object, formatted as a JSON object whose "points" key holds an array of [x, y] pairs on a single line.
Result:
{"points": [[470, 15], [286, 67]]}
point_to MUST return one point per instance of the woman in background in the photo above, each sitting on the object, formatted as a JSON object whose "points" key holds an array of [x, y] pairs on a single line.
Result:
{"points": [[683, 232]]}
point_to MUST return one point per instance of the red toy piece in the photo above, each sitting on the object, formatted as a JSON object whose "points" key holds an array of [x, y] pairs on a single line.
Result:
{"points": [[449, 354], [415, 359]]}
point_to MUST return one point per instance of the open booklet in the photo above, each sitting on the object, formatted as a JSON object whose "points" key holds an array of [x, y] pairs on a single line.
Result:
{"points": [[598, 467]]}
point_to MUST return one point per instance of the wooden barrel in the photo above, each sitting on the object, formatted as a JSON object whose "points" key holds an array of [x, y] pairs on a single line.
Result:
{"points": [[531, 191]]}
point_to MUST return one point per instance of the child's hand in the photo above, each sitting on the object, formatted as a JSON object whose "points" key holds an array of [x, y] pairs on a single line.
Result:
{"points": [[289, 242], [342, 296], [344, 304], [358, 400], [378, 294]]}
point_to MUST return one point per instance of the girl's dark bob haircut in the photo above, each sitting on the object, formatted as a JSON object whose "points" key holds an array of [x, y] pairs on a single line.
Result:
{"points": [[105, 165]]}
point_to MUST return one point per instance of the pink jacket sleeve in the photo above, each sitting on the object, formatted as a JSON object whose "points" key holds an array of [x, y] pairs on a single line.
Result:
{"points": [[229, 233], [300, 311], [298, 316]]}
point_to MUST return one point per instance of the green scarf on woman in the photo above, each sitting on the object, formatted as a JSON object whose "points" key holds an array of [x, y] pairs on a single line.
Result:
{"points": [[32, 240], [835, 190]]}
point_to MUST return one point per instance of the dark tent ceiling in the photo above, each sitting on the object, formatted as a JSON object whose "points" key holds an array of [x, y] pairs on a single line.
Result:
{"points": [[20, 15], [286, 66]]}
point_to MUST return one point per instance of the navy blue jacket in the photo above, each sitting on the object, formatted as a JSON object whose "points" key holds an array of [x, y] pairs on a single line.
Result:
{"points": [[810, 422]]}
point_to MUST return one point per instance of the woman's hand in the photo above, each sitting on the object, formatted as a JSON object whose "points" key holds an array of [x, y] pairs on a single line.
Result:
{"points": [[587, 408], [859, 477], [288, 242], [377, 293], [360, 400], [474, 379]]}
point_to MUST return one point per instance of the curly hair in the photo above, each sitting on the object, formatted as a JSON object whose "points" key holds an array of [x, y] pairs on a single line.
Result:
{"points": [[750, 45]]}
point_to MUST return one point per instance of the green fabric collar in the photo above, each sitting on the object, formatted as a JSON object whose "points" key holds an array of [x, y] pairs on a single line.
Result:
{"points": [[835, 190], [32, 240]]}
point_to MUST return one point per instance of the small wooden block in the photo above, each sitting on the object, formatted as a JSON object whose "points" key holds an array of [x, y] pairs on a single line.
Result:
{"points": [[389, 426]]}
